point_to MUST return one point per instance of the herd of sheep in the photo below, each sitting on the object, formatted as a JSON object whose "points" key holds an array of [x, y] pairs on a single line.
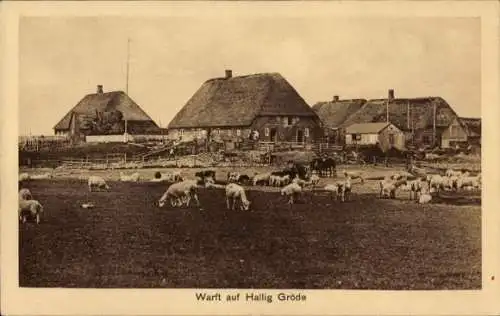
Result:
{"points": [[182, 192]]}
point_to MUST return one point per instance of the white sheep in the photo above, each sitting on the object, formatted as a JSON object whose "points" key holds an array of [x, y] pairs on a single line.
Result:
{"points": [[236, 192], [31, 208], [474, 182], [25, 194], [263, 177], [436, 182], [42, 176], [451, 172], [333, 189], [281, 181], [424, 198], [354, 175], [98, 182], [292, 191], [314, 179], [178, 190], [24, 177], [233, 176], [388, 188]]}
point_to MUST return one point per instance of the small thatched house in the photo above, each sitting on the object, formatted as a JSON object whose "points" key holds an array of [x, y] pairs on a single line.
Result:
{"points": [[334, 113], [423, 120], [385, 135], [262, 107], [462, 132], [83, 118]]}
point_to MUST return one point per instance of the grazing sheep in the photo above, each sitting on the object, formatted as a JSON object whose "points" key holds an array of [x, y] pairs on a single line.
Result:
{"points": [[281, 181], [354, 175], [236, 192], [177, 191], [451, 173], [98, 182], [25, 194], [259, 178], [292, 191], [333, 189], [388, 188], [30, 208], [473, 182], [436, 182], [24, 177]]}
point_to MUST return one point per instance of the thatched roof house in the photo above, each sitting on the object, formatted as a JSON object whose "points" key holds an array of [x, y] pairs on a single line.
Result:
{"points": [[472, 126], [462, 132], [334, 113], [237, 101], [265, 102], [137, 120]]}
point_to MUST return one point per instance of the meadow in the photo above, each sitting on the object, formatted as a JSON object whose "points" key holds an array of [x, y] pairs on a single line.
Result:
{"points": [[127, 241]]}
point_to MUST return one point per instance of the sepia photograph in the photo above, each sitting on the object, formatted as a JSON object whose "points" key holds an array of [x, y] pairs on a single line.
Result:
{"points": [[250, 151]]}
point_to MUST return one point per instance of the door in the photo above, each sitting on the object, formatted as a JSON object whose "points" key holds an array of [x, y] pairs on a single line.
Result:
{"points": [[300, 136], [273, 135]]}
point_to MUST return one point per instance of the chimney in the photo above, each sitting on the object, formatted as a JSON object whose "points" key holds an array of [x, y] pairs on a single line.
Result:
{"points": [[391, 95], [99, 88], [229, 73], [335, 98]]}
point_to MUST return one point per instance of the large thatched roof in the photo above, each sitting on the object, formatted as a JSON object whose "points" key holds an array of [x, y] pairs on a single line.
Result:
{"points": [[115, 100], [472, 126], [334, 113], [237, 101], [421, 113]]}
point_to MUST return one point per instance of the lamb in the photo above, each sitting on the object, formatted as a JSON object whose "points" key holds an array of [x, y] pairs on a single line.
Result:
{"points": [[30, 208], [259, 178], [236, 192], [177, 191], [98, 182], [388, 188], [292, 190], [354, 175], [25, 194], [131, 178]]}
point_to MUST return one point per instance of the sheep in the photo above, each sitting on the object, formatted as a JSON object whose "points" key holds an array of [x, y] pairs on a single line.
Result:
{"points": [[415, 188], [98, 182], [24, 177], [263, 177], [236, 192], [176, 191], [314, 179], [42, 176], [451, 172], [388, 188], [272, 180], [25, 194], [332, 188], [299, 181], [131, 178], [436, 182], [424, 198], [204, 174], [173, 177], [30, 208], [243, 178], [281, 181], [474, 182], [354, 175], [291, 190], [344, 189]]}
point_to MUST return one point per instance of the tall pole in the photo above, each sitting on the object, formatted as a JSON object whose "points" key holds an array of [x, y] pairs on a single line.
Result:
{"points": [[127, 76], [387, 111], [434, 125], [408, 115]]}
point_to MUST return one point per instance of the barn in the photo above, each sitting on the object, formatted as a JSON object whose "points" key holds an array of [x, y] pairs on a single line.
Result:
{"points": [[333, 113], [259, 107], [462, 132], [422, 120], [93, 116], [385, 135]]}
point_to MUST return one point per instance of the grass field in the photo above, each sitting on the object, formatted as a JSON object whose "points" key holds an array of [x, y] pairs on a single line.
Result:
{"points": [[366, 243]]}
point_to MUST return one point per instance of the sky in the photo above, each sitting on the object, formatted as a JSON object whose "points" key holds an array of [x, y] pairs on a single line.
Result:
{"points": [[61, 59]]}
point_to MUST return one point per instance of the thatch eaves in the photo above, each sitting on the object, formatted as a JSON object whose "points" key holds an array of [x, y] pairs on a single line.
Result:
{"points": [[237, 101], [334, 113], [114, 100]]}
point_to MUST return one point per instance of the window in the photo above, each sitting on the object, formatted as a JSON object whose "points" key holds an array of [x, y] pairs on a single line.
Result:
{"points": [[356, 136], [426, 139], [266, 132], [238, 132], [181, 132], [306, 132], [289, 120], [391, 139]]}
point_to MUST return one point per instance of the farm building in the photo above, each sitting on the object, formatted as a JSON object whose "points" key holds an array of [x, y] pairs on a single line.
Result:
{"points": [[423, 120], [385, 135], [462, 132], [106, 113], [333, 113], [263, 107]]}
